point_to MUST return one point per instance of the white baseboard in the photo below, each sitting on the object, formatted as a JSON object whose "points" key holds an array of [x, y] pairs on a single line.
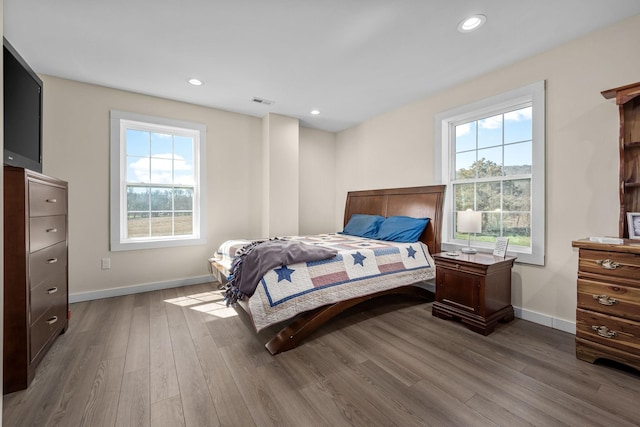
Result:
{"points": [[126, 290], [546, 320]]}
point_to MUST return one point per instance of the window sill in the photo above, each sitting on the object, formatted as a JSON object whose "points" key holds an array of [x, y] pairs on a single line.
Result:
{"points": [[523, 257], [156, 244]]}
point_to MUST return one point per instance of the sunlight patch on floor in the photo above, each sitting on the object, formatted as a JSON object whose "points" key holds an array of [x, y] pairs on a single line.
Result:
{"points": [[218, 309], [205, 302]]}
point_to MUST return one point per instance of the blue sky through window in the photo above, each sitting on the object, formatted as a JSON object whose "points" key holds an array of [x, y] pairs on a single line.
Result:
{"points": [[159, 158], [504, 139]]}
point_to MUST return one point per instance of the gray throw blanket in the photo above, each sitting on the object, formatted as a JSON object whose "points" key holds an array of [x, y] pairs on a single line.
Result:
{"points": [[256, 259]]}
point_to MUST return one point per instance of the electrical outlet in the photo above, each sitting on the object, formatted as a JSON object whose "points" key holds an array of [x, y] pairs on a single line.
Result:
{"points": [[106, 263]]}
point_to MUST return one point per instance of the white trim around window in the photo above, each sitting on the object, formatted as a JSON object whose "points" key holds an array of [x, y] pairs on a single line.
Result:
{"points": [[187, 189], [445, 122]]}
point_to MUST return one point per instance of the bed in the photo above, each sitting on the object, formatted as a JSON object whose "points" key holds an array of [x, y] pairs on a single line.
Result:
{"points": [[303, 312]]}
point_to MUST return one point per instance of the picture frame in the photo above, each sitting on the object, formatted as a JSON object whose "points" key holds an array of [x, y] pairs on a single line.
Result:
{"points": [[633, 224], [500, 249]]}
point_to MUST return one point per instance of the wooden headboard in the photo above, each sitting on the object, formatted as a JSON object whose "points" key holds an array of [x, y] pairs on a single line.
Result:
{"points": [[417, 202]]}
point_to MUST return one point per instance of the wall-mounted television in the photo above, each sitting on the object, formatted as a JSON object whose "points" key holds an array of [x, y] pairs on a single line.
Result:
{"points": [[22, 112]]}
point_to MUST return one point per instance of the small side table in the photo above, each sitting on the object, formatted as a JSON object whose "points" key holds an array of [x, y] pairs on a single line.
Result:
{"points": [[473, 288]]}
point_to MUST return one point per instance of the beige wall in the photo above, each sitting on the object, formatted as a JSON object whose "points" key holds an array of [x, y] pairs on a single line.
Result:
{"points": [[397, 149], [317, 182], [280, 151], [76, 149]]}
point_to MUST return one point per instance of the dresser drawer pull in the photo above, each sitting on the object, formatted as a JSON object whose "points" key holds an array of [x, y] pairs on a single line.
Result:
{"points": [[52, 230], [608, 264], [605, 299], [52, 291], [52, 200], [52, 260], [52, 320], [604, 332]]}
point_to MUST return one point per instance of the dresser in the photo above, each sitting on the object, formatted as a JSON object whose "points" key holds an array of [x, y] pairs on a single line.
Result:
{"points": [[473, 288], [35, 271], [608, 307]]}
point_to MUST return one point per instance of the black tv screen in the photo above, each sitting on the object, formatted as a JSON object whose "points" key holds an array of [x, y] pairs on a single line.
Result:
{"points": [[22, 112]]}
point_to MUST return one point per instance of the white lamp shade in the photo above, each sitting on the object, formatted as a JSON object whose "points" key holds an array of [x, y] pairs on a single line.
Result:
{"points": [[469, 221]]}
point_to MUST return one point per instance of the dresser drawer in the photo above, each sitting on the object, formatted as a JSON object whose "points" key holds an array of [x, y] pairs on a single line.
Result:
{"points": [[607, 298], [45, 200], [48, 265], [45, 327], [48, 295], [47, 230], [612, 264], [607, 330]]}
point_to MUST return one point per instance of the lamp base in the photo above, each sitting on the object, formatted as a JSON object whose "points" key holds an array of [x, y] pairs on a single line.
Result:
{"points": [[468, 251]]}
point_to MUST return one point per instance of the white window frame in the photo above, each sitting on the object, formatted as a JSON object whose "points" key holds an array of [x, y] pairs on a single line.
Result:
{"points": [[119, 122], [444, 164]]}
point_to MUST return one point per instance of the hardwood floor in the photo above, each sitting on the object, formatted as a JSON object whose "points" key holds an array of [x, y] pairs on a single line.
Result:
{"points": [[179, 357]]}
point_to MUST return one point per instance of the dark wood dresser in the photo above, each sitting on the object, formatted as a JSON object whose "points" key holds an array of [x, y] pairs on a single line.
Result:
{"points": [[608, 308], [35, 271], [473, 288]]}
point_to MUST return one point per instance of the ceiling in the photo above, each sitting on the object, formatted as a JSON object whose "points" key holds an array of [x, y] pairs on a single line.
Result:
{"points": [[350, 59]]}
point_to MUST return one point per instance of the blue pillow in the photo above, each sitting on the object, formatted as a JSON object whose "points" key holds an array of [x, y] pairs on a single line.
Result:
{"points": [[363, 225], [401, 229]]}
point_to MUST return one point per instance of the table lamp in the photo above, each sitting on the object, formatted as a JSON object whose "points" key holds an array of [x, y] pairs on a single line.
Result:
{"points": [[469, 222]]}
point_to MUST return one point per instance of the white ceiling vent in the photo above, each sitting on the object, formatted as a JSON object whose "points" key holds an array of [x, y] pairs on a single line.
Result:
{"points": [[262, 101]]}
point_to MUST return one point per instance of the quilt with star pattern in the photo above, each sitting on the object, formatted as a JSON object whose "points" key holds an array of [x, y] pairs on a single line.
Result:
{"points": [[361, 267]]}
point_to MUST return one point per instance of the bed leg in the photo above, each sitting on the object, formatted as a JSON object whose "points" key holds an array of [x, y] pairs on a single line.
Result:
{"points": [[303, 326]]}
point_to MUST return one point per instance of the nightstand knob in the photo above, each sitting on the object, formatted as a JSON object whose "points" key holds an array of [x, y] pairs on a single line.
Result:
{"points": [[457, 266]]}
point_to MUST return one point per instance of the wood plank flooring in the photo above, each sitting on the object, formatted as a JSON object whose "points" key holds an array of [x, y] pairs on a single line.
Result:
{"points": [[179, 357]]}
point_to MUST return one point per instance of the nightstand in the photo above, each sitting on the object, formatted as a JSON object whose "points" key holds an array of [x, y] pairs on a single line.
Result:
{"points": [[473, 288]]}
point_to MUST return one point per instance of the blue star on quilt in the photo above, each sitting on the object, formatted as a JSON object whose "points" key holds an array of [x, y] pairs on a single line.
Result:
{"points": [[284, 273], [412, 252], [358, 258]]}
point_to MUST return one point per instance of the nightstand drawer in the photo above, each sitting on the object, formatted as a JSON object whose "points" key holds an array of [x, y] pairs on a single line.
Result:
{"points": [[607, 298], [463, 267], [608, 330], [458, 289]]}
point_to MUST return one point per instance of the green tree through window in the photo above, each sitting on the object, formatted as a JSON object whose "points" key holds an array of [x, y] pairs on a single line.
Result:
{"points": [[493, 175]]}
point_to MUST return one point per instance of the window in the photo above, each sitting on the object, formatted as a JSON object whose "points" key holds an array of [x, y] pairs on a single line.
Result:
{"points": [[491, 156], [157, 197]]}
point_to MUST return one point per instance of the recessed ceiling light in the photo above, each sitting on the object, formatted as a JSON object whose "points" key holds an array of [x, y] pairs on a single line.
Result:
{"points": [[195, 82], [471, 23], [315, 112]]}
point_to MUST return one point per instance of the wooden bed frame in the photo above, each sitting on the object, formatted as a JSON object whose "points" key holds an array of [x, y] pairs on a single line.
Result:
{"points": [[417, 202]]}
